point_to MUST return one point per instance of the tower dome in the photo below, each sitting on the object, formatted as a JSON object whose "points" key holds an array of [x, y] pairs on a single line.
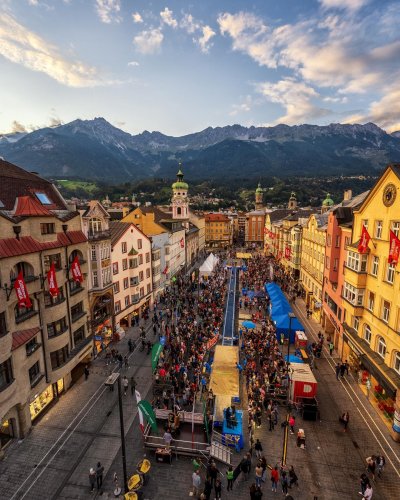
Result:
{"points": [[180, 201], [259, 189], [179, 183], [328, 202]]}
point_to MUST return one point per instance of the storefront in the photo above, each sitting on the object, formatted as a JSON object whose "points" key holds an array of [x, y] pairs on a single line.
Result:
{"points": [[7, 431], [42, 401], [103, 335], [377, 381]]}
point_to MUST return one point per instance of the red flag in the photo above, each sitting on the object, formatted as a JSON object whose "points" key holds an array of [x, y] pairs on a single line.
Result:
{"points": [[76, 270], [394, 249], [22, 292], [287, 252], [364, 241], [52, 281], [165, 270], [182, 243]]}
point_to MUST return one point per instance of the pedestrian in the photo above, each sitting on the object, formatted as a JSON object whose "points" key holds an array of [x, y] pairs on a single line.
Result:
{"points": [[258, 493], [86, 371], [133, 385], [284, 482], [258, 472], [331, 347], [92, 478], [274, 478], [167, 438], [344, 419], [125, 383], [126, 362], [218, 489], [229, 476], [368, 492], [292, 421], [213, 473], [196, 482], [371, 466], [342, 369], [293, 479], [337, 370], [207, 488], [253, 489], [346, 364], [258, 448], [99, 475], [380, 465], [364, 482], [130, 345]]}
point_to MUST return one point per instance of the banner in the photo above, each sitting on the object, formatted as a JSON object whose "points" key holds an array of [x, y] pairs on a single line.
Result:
{"points": [[211, 343], [22, 292], [148, 413], [141, 421], [182, 243], [394, 249], [155, 354], [76, 270], [288, 252], [364, 241], [165, 270], [52, 281]]}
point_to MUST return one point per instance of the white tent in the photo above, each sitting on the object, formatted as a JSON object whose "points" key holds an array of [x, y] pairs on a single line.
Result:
{"points": [[208, 265]]}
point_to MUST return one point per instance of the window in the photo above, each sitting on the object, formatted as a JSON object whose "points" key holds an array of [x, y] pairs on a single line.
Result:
{"points": [[27, 272], [396, 227], [50, 259], [126, 283], [77, 311], [3, 324], [147, 257], [375, 266], [124, 264], [141, 276], [31, 346], [59, 357], [115, 267], [34, 373], [47, 228], [134, 281], [347, 241], [127, 301], [326, 262], [148, 288], [390, 273], [124, 247], [43, 198], [142, 292], [335, 264], [385, 311], [79, 335], [117, 306], [337, 241], [365, 223], [354, 295], [93, 252], [133, 263], [139, 244], [75, 287], [6, 374], [95, 279], [367, 334], [23, 313], [94, 226], [378, 229], [396, 364], [49, 300], [57, 327], [116, 287], [357, 262], [135, 298], [381, 349], [356, 322], [140, 259], [148, 272], [371, 301]]}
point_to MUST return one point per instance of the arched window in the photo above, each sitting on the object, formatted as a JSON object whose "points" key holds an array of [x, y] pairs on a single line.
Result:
{"points": [[23, 313], [179, 211], [367, 334], [396, 364], [27, 271], [94, 226], [75, 253], [381, 347]]}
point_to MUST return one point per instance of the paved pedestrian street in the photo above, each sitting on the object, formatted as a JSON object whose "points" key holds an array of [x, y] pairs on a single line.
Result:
{"points": [[83, 428]]}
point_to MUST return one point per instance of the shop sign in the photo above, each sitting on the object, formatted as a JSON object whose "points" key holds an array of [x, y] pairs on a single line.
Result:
{"points": [[354, 348]]}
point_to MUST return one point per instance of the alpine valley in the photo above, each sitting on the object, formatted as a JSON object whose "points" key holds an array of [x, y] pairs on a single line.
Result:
{"points": [[96, 150]]}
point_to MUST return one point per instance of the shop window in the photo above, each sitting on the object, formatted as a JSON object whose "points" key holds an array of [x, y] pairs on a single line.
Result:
{"points": [[40, 403], [371, 301], [47, 228], [390, 273], [59, 357], [381, 347], [375, 266], [378, 229], [79, 335], [34, 373], [367, 334], [3, 324], [385, 311], [6, 374], [124, 264], [124, 248], [116, 287], [48, 260], [126, 283], [57, 327], [50, 301], [396, 364]]}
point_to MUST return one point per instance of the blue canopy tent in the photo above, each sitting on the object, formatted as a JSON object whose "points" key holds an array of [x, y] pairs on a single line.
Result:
{"points": [[293, 359], [282, 326]]}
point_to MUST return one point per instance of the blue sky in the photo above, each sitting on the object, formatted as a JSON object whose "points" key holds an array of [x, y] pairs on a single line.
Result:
{"points": [[179, 66]]}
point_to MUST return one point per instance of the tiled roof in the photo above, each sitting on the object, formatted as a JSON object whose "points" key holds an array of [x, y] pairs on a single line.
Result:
{"points": [[118, 229], [27, 206], [10, 247], [216, 218], [279, 214], [21, 337], [16, 182]]}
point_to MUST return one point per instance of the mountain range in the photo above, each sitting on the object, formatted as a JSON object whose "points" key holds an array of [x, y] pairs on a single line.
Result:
{"points": [[96, 150]]}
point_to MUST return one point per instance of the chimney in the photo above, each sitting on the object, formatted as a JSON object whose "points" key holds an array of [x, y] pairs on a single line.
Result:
{"points": [[347, 195]]}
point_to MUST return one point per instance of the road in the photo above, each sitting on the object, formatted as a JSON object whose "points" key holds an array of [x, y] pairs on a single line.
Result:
{"points": [[228, 330]]}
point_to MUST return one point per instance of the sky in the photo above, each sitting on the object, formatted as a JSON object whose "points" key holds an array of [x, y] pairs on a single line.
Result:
{"points": [[181, 66]]}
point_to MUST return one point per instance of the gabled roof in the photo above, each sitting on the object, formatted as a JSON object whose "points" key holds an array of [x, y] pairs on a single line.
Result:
{"points": [[27, 206], [95, 204], [279, 214], [21, 337], [118, 229], [216, 218]]}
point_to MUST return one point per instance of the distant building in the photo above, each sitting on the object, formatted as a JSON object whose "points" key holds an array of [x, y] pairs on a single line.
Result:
{"points": [[218, 230], [255, 221]]}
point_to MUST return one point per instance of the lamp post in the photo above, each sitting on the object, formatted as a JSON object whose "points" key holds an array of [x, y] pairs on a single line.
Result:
{"points": [[291, 317]]}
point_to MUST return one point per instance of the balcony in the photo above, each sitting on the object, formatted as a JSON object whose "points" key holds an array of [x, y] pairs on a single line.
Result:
{"points": [[31, 348], [23, 317], [36, 380], [79, 347], [99, 235], [77, 316], [135, 299], [134, 281], [75, 287]]}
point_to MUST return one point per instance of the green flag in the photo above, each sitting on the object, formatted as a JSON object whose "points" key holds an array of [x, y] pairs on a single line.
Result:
{"points": [[155, 354], [148, 413]]}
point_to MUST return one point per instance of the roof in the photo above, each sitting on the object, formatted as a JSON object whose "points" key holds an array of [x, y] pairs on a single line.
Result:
{"points": [[118, 229], [256, 212], [216, 218], [16, 182], [21, 337], [26, 206], [10, 247], [299, 214], [279, 214]]}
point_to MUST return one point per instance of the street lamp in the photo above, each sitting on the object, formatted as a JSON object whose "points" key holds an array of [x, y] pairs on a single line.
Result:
{"points": [[291, 317]]}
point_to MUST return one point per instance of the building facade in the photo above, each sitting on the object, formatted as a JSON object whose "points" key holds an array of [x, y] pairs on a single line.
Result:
{"points": [[218, 231], [45, 341]]}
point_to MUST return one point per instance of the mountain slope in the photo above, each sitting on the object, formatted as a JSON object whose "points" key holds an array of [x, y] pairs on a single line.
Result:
{"points": [[94, 149]]}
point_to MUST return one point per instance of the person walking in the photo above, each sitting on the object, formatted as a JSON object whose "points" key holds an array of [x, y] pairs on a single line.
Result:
{"points": [[258, 474], [229, 477], [368, 492], [331, 347], [284, 483], [292, 421], [274, 478], [371, 466], [133, 385], [380, 465], [92, 478], [218, 489], [345, 420], [258, 448], [167, 438], [364, 482], [125, 383], [99, 475], [196, 482], [337, 370], [293, 479], [86, 371]]}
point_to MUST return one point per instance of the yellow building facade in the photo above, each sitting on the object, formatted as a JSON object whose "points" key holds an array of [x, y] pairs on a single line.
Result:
{"points": [[313, 240], [371, 299]]}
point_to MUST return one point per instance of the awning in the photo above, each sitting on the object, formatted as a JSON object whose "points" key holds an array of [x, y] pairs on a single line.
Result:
{"points": [[388, 378]]}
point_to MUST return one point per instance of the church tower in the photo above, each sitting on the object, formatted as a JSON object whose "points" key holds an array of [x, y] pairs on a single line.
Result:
{"points": [[259, 197], [180, 201], [292, 201]]}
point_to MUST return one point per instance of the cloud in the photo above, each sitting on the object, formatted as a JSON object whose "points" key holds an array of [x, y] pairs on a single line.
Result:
{"points": [[17, 127], [204, 39], [21, 46], [296, 97], [243, 107], [149, 41], [168, 19], [343, 4], [133, 63], [108, 10], [203, 33], [189, 24], [137, 18]]}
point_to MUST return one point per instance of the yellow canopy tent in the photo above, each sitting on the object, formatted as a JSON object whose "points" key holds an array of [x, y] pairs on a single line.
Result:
{"points": [[241, 255], [224, 379]]}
